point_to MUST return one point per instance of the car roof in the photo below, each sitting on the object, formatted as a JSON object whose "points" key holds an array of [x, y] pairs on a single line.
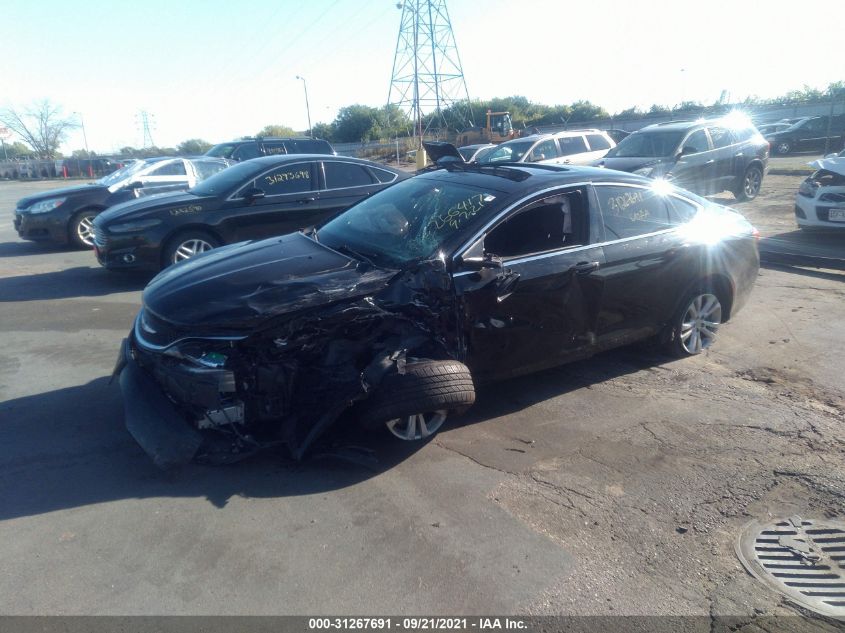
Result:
{"points": [[675, 126], [291, 158], [522, 178]]}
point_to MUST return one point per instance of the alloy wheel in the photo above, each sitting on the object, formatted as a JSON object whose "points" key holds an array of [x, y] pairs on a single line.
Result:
{"points": [[85, 230], [189, 248], [700, 323], [417, 426], [752, 182]]}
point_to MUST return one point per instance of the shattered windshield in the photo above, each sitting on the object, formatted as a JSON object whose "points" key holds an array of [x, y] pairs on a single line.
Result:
{"points": [[647, 145], [408, 221]]}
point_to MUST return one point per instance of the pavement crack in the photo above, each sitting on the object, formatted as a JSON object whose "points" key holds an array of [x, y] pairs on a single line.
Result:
{"points": [[475, 460]]}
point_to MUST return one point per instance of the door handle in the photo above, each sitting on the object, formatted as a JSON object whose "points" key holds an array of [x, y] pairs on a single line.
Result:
{"points": [[710, 162], [306, 200], [585, 268]]}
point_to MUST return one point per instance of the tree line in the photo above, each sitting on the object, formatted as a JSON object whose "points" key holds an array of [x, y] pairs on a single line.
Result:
{"points": [[43, 128]]}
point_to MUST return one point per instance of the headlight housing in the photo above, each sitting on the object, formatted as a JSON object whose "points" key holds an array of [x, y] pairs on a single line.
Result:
{"points": [[138, 225], [808, 188], [45, 206]]}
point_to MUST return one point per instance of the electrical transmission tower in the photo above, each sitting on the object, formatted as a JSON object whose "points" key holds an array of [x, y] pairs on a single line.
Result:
{"points": [[427, 73], [146, 126]]}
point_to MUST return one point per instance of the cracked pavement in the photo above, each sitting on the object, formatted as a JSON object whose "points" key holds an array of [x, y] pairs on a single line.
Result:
{"points": [[612, 486]]}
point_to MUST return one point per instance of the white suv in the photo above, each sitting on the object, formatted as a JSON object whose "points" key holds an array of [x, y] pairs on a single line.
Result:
{"points": [[576, 147]]}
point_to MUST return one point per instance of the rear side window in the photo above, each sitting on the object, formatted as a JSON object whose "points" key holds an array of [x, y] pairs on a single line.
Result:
{"points": [[284, 179], [176, 168], [342, 175], [572, 145], [631, 211], [383, 175], [721, 137], [680, 211], [597, 142], [274, 148], [311, 146]]}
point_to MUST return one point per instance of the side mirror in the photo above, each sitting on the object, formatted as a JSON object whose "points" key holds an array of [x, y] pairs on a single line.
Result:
{"points": [[135, 185], [480, 263], [254, 194], [687, 150]]}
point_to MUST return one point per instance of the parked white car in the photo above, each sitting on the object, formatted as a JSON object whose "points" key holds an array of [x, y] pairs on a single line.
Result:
{"points": [[820, 202], [575, 147]]}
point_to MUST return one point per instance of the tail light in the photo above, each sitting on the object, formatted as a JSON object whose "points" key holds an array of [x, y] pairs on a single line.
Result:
{"points": [[755, 233]]}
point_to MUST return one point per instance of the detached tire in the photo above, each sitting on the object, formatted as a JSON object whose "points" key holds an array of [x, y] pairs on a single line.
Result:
{"points": [[187, 244], [414, 405]]}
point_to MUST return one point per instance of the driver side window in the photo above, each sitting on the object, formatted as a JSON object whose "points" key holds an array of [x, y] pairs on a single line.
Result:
{"points": [[556, 222], [698, 141]]}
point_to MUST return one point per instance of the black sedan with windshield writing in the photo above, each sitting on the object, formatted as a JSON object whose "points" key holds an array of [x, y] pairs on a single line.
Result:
{"points": [[251, 200], [390, 314]]}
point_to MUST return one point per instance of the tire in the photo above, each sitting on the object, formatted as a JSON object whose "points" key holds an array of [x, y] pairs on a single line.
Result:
{"points": [[186, 244], [783, 147], [750, 184], [414, 405], [696, 323], [81, 229]]}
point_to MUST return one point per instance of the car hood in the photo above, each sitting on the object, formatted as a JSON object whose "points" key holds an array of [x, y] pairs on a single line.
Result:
{"points": [[836, 165], [241, 285], [177, 203], [629, 164], [63, 192], [437, 150]]}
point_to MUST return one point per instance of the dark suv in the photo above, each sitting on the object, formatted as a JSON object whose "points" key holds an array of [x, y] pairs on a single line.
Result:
{"points": [[813, 133], [706, 157], [254, 147]]}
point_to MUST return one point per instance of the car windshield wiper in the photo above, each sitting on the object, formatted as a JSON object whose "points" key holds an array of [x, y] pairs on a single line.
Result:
{"points": [[344, 248]]}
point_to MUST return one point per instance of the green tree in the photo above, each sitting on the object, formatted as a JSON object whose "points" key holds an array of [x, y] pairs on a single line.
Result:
{"points": [[193, 147], [17, 150], [276, 130], [324, 131], [357, 123]]}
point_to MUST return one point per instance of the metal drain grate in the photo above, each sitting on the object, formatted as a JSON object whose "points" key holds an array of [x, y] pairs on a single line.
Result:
{"points": [[804, 559]]}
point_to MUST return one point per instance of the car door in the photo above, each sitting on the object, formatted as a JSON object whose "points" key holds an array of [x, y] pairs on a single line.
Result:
{"points": [[280, 200], [573, 150], [539, 308], [726, 151], [647, 263], [342, 184], [695, 169], [599, 146], [545, 152]]}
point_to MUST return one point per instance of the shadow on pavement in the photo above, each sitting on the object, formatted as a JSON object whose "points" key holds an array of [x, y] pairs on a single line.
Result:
{"points": [[81, 281], [821, 249], [69, 448], [23, 249]]}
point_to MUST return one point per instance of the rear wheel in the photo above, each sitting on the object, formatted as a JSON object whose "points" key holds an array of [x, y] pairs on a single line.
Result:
{"points": [[186, 245], [696, 323], [81, 229], [414, 405], [750, 184]]}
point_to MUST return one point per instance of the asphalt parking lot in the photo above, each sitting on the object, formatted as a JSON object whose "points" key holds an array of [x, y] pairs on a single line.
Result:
{"points": [[614, 486]]}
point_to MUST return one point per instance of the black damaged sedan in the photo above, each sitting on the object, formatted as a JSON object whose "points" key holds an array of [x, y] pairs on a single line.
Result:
{"points": [[254, 199], [391, 313]]}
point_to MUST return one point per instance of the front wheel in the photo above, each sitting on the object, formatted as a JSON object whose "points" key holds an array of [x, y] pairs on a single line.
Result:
{"points": [[187, 245], [697, 323], [415, 404], [750, 184], [81, 229], [783, 147]]}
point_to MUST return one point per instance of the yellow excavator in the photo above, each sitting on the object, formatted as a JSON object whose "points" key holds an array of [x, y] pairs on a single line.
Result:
{"points": [[499, 129]]}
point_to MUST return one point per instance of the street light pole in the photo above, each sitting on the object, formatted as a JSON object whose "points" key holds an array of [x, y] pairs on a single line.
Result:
{"points": [[307, 107]]}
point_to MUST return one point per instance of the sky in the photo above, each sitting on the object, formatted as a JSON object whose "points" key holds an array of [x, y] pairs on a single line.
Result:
{"points": [[220, 69]]}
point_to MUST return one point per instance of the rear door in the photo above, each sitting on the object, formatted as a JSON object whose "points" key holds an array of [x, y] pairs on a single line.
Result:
{"points": [[540, 308], [573, 150], [647, 263], [342, 184], [599, 146], [167, 177], [696, 168], [289, 203], [725, 150]]}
